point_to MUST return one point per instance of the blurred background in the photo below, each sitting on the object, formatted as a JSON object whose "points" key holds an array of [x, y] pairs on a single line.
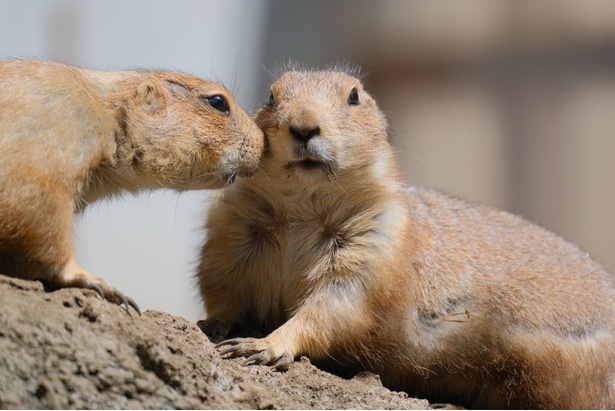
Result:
{"points": [[510, 103]]}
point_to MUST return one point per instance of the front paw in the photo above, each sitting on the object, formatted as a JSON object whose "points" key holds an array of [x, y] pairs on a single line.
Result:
{"points": [[74, 276], [107, 291], [257, 351]]}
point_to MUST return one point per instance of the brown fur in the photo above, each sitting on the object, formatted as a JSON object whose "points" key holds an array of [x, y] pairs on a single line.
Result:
{"points": [[70, 136], [442, 298]]}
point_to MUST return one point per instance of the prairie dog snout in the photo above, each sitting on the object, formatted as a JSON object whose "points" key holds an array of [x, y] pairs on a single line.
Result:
{"points": [[70, 136], [329, 255]]}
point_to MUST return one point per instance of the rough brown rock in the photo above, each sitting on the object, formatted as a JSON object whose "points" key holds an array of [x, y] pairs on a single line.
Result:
{"points": [[71, 349]]}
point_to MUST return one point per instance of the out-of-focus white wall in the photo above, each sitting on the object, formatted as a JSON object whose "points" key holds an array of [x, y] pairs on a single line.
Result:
{"points": [[148, 245]]}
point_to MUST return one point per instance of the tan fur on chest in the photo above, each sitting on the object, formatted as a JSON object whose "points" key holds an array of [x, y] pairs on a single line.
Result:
{"points": [[327, 254]]}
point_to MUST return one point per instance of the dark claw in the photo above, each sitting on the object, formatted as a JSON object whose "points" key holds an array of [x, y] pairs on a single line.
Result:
{"points": [[126, 301], [123, 300], [232, 341], [226, 350], [258, 358], [235, 348], [83, 282], [281, 364], [134, 305], [90, 285], [230, 350]]}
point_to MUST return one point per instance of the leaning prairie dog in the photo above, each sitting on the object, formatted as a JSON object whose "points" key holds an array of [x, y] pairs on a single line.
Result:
{"points": [[69, 136], [327, 253]]}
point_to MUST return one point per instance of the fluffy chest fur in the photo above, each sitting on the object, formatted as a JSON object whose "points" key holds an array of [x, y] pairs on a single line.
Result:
{"points": [[288, 239]]}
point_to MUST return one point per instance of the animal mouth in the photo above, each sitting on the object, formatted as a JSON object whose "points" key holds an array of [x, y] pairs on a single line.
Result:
{"points": [[309, 164]]}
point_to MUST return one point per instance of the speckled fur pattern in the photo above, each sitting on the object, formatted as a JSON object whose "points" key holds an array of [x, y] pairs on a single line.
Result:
{"points": [[326, 253]]}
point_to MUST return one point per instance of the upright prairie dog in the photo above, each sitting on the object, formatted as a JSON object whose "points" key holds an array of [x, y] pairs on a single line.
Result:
{"points": [[70, 136], [330, 255]]}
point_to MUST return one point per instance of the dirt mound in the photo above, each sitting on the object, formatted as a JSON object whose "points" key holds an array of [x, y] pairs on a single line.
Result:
{"points": [[71, 349]]}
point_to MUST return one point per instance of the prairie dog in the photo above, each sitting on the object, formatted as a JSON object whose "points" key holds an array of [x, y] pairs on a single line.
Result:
{"points": [[329, 255], [69, 136]]}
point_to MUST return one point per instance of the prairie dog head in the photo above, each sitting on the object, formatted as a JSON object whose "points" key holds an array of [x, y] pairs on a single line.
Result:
{"points": [[321, 122], [183, 132]]}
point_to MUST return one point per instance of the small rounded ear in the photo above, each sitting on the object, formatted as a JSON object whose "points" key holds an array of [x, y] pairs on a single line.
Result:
{"points": [[147, 95], [177, 89]]}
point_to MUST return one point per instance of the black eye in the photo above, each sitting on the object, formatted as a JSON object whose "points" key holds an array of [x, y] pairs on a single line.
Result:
{"points": [[271, 102], [218, 103], [353, 98]]}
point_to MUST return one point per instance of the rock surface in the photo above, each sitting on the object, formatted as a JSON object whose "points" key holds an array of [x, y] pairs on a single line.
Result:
{"points": [[70, 349]]}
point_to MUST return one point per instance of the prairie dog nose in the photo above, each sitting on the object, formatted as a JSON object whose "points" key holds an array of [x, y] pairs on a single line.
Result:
{"points": [[304, 134]]}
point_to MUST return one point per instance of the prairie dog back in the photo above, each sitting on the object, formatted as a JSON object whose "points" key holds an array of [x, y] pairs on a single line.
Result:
{"points": [[328, 254], [70, 136]]}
